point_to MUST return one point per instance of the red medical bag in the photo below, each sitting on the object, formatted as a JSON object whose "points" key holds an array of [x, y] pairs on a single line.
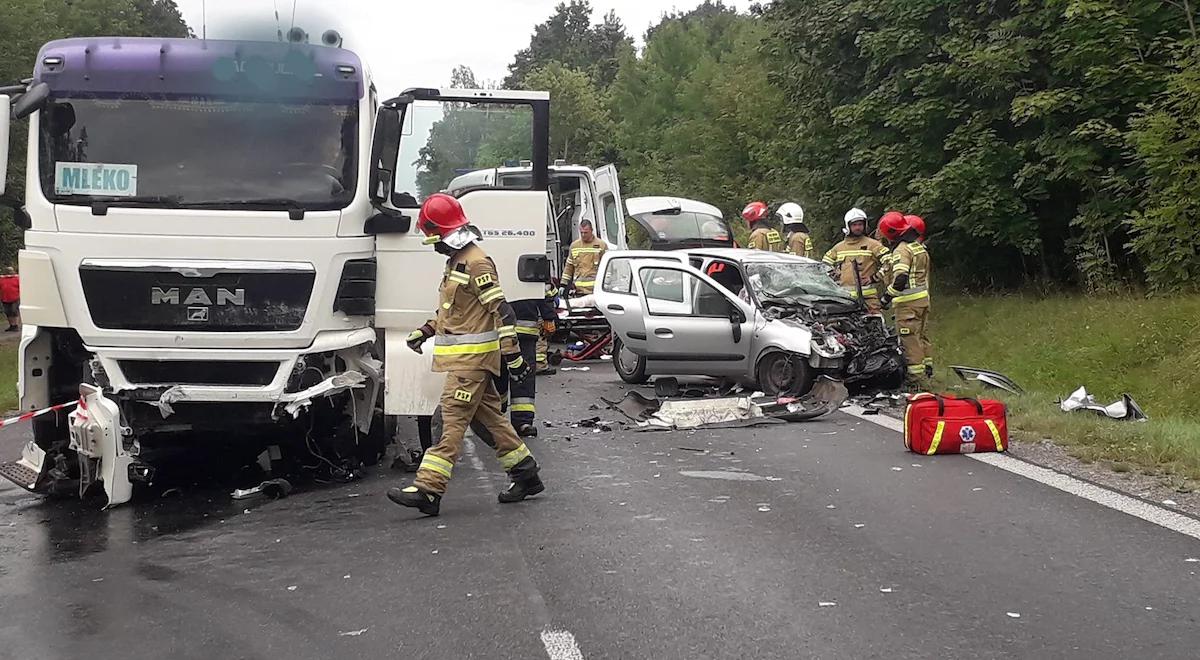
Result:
{"points": [[938, 424]]}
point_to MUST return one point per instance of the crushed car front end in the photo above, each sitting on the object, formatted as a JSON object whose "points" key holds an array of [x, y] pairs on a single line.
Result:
{"points": [[845, 343]]}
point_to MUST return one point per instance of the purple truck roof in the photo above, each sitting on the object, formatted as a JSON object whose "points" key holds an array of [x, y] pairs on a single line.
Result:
{"points": [[108, 66]]}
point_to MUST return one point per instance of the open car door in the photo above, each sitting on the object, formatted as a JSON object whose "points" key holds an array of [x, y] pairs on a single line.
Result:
{"points": [[612, 215], [420, 145]]}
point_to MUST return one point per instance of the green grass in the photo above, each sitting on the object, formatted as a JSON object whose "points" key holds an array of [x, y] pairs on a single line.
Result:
{"points": [[1149, 348], [8, 376]]}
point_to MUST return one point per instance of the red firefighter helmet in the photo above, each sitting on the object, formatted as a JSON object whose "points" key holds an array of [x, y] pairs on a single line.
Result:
{"points": [[893, 225], [440, 215], [918, 223], [754, 212]]}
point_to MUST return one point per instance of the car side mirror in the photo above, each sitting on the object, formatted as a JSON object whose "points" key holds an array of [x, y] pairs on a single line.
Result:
{"points": [[385, 149], [533, 268]]}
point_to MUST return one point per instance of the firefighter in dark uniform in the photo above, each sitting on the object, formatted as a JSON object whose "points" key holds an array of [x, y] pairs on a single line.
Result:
{"points": [[532, 316], [473, 330]]}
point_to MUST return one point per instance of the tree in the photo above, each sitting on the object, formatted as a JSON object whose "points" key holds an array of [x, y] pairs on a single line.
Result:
{"points": [[569, 39], [1003, 122], [580, 127]]}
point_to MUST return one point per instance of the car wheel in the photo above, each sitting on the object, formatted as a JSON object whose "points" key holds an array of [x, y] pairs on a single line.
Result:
{"points": [[631, 368], [782, 374]]}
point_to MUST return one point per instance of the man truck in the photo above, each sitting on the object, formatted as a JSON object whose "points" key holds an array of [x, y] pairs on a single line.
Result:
{"points": [[221, 252]]}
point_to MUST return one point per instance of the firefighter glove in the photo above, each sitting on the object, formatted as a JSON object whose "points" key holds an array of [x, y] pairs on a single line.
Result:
{"points": [[418, 337], [518, 368], [549, 327], [885, 301]]}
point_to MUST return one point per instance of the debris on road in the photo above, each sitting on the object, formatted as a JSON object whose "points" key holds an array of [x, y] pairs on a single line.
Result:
{"points": [[272, 488], [885, 590], [1014, 615], [989, 378], [897, 469], [575, 368], [727, 475], [1124, 409], [827, 603], [353, 633], [825, 397], [292, 588]]}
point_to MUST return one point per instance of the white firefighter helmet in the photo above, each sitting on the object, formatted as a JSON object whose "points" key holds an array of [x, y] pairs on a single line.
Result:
{"points": [[790, 213], [854, 215]]}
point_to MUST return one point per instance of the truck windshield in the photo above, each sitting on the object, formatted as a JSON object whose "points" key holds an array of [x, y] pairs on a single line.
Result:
{"points": [[199, 153]]}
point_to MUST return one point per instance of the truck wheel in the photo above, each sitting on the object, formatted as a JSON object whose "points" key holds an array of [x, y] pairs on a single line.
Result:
{"points": [[782, 374], [631, 368]]}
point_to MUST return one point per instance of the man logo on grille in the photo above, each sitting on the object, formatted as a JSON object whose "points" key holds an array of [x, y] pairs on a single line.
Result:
{"points": [[967, 434]]}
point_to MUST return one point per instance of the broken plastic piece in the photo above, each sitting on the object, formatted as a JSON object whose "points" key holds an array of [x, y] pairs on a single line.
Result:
{"points": [[1125, 409], [97, 438], [990, 378], [272, 488], [297, 401]]}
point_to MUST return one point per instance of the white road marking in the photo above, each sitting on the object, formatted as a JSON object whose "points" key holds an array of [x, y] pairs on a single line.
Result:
{"points": [[561, 645], [1104, 497]]}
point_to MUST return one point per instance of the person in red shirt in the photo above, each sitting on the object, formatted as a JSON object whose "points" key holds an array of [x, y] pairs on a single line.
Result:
{"points": [[10, 296]]}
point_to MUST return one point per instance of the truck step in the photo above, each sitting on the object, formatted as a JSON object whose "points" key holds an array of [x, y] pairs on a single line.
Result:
{"points": [[19, 475]]}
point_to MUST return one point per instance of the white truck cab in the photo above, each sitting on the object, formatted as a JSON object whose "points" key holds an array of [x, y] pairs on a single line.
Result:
{"points": [[207, 225]]}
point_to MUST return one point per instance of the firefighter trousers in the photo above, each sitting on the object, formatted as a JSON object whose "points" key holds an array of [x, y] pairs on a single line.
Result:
{"points": [[543, 347], [470, 399], [912, 323], [522, 395]]}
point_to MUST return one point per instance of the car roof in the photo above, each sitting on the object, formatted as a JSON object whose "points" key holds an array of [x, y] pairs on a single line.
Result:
{"points": [[641, 205], [743, 255]]}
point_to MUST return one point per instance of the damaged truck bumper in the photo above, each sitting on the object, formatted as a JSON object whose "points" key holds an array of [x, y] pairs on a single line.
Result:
{"points": [[103, 431]]}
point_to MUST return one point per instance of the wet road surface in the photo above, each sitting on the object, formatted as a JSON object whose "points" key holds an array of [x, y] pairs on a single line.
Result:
{"points": [[822, 539]]}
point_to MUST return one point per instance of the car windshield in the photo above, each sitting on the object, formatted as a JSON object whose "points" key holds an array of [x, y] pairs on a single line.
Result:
{"points": [[792, 279], [199, 152]]}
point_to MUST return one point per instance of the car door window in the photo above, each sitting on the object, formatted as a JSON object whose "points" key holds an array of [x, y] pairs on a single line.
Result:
{"points": [[727, 274], [618, 277], [672, 292], [612, 219]]}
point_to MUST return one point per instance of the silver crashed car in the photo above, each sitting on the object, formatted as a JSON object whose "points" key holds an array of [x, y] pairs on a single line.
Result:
{"points": [[766, 320]]}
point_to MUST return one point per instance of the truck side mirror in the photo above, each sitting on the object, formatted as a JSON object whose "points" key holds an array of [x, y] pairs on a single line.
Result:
{"points": [[385, 149], [3, 141], [30, 101], [387, 222]]}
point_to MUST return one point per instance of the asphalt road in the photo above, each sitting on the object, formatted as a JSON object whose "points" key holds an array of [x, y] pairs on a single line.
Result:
{"points": [[796, 541]]}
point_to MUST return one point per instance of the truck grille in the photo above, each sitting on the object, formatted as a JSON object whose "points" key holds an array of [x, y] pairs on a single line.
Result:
{"points": [[167, 297], [198, 372]]}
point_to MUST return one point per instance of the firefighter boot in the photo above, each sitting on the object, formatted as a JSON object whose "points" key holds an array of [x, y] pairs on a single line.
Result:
{"points": [[423, 501], [525, 482], [527, 431]]}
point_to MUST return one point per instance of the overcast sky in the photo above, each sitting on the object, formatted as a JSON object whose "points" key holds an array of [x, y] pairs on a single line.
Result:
{"points": [[416, 43]]}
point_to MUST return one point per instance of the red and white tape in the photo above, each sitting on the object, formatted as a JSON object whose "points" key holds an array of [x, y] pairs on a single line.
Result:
{"points": [[30, 415]]}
